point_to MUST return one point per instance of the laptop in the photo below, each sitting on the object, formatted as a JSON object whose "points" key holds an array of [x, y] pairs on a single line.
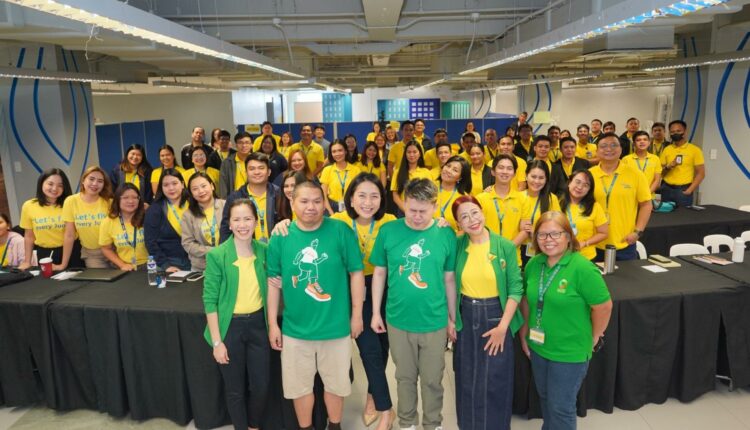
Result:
{"points": [[106, 275]]}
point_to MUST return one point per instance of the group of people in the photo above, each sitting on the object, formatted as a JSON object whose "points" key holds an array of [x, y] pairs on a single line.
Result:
{"points": [[412, 241]]}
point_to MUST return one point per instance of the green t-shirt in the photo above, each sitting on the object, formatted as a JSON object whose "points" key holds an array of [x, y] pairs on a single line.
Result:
{"points": [[566, 318], [416, 262], [314, 267]]}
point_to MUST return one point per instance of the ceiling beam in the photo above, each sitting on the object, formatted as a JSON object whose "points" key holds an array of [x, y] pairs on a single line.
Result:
{"points": [[382, 18]]}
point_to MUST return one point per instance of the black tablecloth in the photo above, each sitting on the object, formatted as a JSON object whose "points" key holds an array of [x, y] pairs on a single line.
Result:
{"points": [[738, 271], [662, 340], [25, 374], [690, 226]]}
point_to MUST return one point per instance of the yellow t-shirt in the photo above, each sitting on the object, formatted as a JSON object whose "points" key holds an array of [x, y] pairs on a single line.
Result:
{"points": [[554, 154], [369, 168], [419, 172], [240, 174], [210, 171], [4, 255], [478, 280], [656, 148], [430, 156], [567, 168], [156, 173], [259, 139], [584, 227], [314, 153], [248, 289], [133, 178], [210, 227], [489, 154], [445, 204], [112, 233], [87, 217], [45, 221], [503, 215], [586, 151], [520, 174], [532, 209], [397, 153], [650, 166], [338, 180], [476, 182], [630, 189], [174, 216], [371, 136], [681, 174], [419, 139], [261, 225], [365, 237]]}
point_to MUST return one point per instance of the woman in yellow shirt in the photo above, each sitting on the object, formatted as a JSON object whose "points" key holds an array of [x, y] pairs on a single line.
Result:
{"points": [[83, 214], [371, 162], [375, 131], [352, 152], [285, 143], [336, 177], [538, 200], [411, 167], [167, 160], [481, 173], [586, 216], [121, 236], [455, 181], [199, 158], [42, 220], [134, 169]]}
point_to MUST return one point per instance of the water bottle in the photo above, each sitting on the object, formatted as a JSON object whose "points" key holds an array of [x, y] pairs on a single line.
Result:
{"points": [[153, 273], [738, 252], [610, 254]]}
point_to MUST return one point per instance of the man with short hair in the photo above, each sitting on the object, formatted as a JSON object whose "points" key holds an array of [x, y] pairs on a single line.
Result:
{"points": [[418, 258], [631, 126], [542, 145], [420, 136], [490, 145], [222, 152], [467, 141], [525, 142], [506, 146], [609, 127], [317, 268], [684, 168], [397, 150], [266, 129], [432, 158], [232, 175], [565, 166], [260, 191], [521, 121], [584, 149], [596, 130], [624, 194], [553, 132], [314, 152], [320, 137], [658, 139], [197, 138]]}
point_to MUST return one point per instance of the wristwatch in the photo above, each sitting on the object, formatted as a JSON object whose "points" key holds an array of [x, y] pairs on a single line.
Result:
{"points": [[639, 233], [216, 343]]}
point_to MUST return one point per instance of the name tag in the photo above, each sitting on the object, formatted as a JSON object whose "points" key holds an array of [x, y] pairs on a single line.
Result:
{"points": [[342, 206], [536, 335], [530, 251]]}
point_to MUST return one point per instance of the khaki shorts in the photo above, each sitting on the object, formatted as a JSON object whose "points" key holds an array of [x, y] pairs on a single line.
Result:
{"points": [[94, 259], [298, 366]]}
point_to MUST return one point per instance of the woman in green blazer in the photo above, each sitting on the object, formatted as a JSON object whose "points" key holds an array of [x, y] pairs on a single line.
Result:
{"points": [[489, 288], [234, 296]]}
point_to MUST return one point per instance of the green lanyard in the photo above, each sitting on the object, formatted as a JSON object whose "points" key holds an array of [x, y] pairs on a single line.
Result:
{"points": [[174, 212], [127, 238], [638, 161], [212, 229], [542, 291], [570, 218], [499, 216], [608, 191], [363, 245], [533, 213], [261, 218], [343, 183], [445, 206]]}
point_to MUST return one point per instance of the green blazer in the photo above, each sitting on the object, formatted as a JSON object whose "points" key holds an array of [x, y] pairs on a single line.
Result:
{"points": [[507, 273], [221, 278]]}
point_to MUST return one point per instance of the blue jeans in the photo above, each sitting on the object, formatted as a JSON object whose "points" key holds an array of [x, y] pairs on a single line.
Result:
{"points": [[673, 193], [630, 252], [484, 383], [557, 384], [373, 349]]}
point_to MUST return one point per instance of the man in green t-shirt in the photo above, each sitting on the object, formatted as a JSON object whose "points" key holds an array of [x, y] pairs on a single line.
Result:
{"points": [[418, 257], [309, 268]]}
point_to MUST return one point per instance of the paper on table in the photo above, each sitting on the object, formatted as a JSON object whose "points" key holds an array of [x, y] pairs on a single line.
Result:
{"points": [[654, 268], [62, 276]]}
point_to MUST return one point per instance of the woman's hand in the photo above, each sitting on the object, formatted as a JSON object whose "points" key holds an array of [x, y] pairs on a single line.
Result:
{"points": [[281, 228], [172, 269], [58, 267], [496, 340], [274, 337], [128, 267], [526, 226], [523, 332], [220, 354]]}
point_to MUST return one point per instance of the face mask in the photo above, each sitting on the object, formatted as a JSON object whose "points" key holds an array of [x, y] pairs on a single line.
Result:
{"points": [[676, 137]]}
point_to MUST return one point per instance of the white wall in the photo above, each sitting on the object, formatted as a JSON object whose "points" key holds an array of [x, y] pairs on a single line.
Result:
{"points": [[180, 112], [365, 106]]}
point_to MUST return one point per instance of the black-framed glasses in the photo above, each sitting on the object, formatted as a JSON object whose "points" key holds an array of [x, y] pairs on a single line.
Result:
{"points": [[551, 235]]}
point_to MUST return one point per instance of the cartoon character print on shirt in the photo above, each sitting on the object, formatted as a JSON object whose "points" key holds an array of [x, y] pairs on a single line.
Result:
{"points": [[413, 257], [307, 260]]}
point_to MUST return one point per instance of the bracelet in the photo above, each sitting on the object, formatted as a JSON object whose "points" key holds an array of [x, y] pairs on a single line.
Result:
{"points": [[217, 343]]}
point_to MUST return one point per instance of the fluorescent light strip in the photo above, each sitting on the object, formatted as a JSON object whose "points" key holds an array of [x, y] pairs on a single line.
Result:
{"points": [[675, 9], [12, 72], [705, 60], [66, 10], [190, 85], [615, 82], [551, 79]]}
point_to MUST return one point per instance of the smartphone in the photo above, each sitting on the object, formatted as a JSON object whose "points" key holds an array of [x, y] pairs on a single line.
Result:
{"points": [[678, 159], [599, 344]]}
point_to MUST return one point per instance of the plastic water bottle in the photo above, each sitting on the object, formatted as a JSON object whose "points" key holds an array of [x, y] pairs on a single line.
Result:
{"points": [[738, 252], [153, 273]]}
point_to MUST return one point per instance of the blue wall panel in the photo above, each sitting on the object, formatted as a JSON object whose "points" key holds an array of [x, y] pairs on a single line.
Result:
{"points": [[109, 143], [156, 137], [359, 129]]}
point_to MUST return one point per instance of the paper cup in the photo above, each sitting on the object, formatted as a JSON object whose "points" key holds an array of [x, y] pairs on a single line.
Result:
{"points": [[45, 264]]}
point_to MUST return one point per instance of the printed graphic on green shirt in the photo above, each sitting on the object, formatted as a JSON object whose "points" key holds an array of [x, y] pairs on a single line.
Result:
{"points": [[307, 261], [413, 257]]}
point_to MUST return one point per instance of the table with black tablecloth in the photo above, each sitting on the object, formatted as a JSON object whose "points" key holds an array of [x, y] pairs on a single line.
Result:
{"points": [[662, 340], [738, 271], [25, 375], [685, 225]]}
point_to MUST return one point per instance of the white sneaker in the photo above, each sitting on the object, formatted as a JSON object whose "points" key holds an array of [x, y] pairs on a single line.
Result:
{"points": [[412, 427], [439, 428]]}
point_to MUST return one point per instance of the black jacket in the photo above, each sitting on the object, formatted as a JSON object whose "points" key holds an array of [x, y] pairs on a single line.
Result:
{"points": [[214, 159], [187, 162], [559, 180]]}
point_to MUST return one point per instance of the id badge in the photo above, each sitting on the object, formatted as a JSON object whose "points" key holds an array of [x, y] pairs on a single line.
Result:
{"points": [[530, 251], [342, 207], [536, 335], [575, 231]]}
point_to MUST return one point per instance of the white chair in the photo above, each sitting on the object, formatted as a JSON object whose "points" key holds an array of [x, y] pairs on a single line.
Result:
{"points": [[745, 208], [687, 249], [714, 241], [641, 248], [746, 236]]}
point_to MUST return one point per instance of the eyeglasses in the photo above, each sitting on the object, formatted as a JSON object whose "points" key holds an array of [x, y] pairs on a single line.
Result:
{"points": [[610, 146], [582, 184], [551, 235]]}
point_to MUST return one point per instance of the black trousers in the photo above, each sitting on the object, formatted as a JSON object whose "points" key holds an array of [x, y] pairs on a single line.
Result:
{"points": [[248, 370], [75, 255]]}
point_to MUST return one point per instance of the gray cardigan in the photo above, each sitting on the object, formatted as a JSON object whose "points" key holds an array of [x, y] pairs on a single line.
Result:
{"points": [[226, 177], [193, 241]]}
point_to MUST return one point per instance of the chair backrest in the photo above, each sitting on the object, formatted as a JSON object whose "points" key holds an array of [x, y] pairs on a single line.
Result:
{"points": [[714, 241], [746, 236], [641, 248], [745, 208], [687, 249]]}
